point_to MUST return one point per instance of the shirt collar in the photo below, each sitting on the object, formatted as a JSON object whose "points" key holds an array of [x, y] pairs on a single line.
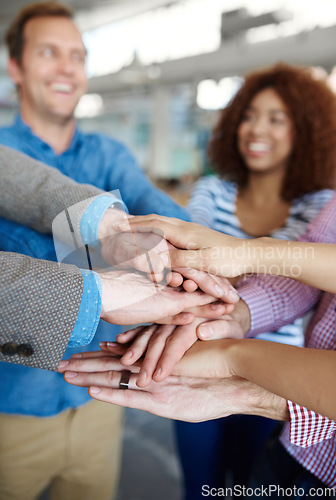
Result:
{"points": [[23, 128]]}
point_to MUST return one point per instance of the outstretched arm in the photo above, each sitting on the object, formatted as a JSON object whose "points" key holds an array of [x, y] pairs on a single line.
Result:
{"points": [[34, 194], [193, 399], [280, 371], [305, 376], [223, 255]]}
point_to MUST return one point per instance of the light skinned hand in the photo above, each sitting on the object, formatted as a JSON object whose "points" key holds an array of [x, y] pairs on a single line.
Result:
{"points": [[217, 286], [160, 346], [181, 398], [141, 251], [131, 298], [198, 247], [130, 251], [212, 310], [193, 399], [233, 325], [163, 346], [188, 398], [203, 359]]}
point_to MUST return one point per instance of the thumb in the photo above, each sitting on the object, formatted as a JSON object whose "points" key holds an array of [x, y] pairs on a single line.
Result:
{"points": [[219, 329]]}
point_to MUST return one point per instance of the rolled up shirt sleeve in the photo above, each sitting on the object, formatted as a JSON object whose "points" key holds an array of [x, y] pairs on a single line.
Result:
{"points": [[89, 310], [93, 215]]}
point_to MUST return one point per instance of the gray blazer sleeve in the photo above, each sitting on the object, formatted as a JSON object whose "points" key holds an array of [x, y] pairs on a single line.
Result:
{"points": [[39, 300], [33, 194]]}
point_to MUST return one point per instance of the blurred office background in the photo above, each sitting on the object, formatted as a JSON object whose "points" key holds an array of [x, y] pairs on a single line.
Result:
{"points": [[159, 71]]}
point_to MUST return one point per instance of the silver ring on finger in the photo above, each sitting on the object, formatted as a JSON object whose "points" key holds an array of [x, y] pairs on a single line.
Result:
{"points": [[124, 380]]}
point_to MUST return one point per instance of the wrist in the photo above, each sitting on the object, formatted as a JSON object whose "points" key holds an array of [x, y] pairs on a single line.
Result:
{"points": [[105, 299], [259, 401], [111, 217], [256, 255], [246, 256], [231, 354], [271, 256], [242, 315]]}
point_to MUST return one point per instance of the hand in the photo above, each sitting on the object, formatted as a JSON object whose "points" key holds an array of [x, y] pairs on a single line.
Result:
{"points": [[233, 325], [128, 250], [216, 286], [184, 398], [208, 311], [202, 359], [161, 346], [198, 247], [131, 298], [142, 251], [207, 360]]}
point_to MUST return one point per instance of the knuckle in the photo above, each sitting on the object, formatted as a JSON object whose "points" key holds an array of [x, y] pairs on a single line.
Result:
{"points": [[112, 377]]}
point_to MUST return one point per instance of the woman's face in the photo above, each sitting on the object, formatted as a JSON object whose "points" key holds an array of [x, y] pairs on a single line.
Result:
{"points": [[266, 134]]}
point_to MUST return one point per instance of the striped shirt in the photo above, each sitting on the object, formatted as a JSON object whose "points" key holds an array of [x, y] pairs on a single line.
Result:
{"points": [[309, 437], [213, 204]]}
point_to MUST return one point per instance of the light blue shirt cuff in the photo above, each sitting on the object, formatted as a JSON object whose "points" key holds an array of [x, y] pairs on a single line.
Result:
{"points": [[93, 215], [89, 310]]}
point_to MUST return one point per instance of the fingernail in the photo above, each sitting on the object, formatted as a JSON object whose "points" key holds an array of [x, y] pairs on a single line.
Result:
{"points": [[63, 364], [234, 294], [157, 373], [110, 344], [215, 305], [77, 355], [219, 291], [205, 332], [95, 390], [70, 374], [127, 355], [186, 315], [142, 377]]}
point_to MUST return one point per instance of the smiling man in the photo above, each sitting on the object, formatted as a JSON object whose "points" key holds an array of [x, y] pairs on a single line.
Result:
{"points": [[49, 72], [75, 447]]}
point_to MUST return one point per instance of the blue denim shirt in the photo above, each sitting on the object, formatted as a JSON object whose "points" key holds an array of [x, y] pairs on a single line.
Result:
{"points": [[91, 158]]}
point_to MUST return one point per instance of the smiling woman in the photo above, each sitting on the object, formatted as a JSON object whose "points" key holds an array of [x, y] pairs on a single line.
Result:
{"points": [[274, 148]]}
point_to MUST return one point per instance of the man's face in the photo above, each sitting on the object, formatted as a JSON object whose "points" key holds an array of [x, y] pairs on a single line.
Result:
{"points": [[51, 77]]}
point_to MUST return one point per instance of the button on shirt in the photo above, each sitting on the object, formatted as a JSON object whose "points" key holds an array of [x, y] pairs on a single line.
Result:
{"points": [[310, 438], [91, 158]]}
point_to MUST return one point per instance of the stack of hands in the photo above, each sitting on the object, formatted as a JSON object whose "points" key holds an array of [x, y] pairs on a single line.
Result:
{"points": [[166, 370]]}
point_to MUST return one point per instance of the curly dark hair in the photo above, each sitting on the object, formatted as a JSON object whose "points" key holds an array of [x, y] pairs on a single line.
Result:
{"points": [[312, 107], [14, 37]]}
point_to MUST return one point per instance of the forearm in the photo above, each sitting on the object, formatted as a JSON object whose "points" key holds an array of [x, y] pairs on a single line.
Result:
{"points": [[205, 249], [304, 376], [310, 263]]}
